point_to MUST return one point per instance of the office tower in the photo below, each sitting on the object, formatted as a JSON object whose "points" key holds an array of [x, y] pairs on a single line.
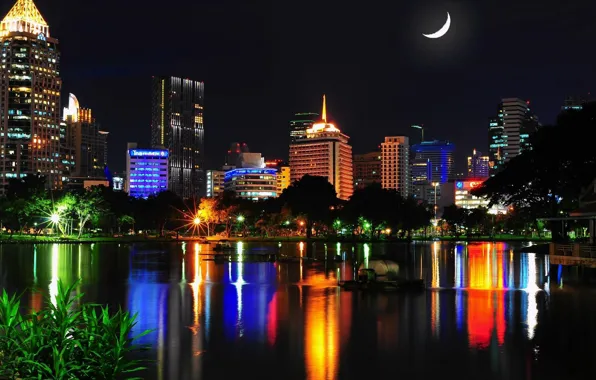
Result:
{"points": [[88, 141], [324, 152], [478, 165], [510, 131], [300, 123], [30, 97], [421, 170], [367, 169], [440, 155], [177, 125], [215, 183], [147, 171], [395, 173], [234, 152], [252, 179]]}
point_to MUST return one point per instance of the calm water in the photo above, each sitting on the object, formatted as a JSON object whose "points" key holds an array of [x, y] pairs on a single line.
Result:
{"points": [[491, 313]]}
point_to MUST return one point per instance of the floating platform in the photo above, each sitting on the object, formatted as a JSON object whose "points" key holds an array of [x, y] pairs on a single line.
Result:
{"points": [[383, 286]]}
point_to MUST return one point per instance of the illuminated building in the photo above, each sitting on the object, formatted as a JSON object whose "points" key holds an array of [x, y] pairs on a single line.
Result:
{"points": [[395, 170], [509, 132], [576, 103], [253, 180], [30, 93], [147, 171], [283, 174], [367, 169], [177, 124], [478, 165], [325, 152], [89, 143], [302, 122], [215, 183], [234, 153], [440, 155], [458, 193], [118, 184]]}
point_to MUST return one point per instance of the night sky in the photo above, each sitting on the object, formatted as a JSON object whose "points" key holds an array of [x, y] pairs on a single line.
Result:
{"points": [[261, 61]]}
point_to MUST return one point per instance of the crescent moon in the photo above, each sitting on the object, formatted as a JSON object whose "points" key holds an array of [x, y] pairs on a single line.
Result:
{"points": [[441, 32]]}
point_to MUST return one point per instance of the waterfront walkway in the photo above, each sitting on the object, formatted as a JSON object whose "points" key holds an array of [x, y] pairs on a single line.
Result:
{"points": [[583, 255]]}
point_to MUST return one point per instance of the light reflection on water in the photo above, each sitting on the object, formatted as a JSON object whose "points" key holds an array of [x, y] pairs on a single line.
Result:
{"points": [[483, 297]]}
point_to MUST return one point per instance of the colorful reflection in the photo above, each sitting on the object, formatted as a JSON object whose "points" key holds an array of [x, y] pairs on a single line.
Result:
{"points": [[321, 333]]}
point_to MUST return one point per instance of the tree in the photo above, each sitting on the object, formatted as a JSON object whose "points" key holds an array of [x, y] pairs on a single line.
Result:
{"points": [[86, 206], [454, 216], [164, 207], [208, 213], [311, 197]]}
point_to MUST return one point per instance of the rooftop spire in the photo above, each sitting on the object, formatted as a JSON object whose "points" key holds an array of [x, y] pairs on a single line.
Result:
{"points": [[24, 17], [324, 114]]}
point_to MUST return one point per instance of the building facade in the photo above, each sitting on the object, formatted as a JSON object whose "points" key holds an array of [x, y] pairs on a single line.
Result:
{"points": [[30, 87], [234, 152], [252, 183], [509, 132], [283, 174], [459, 193], [215, 183], [478, 165], [324, 152], [177, 125], [89, 143], [367, 169], [395, 167], [147, 171], [300, 123], [440, 155]]}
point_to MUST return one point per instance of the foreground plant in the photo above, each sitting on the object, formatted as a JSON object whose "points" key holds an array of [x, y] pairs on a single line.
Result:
{"points": [[66, 341]]}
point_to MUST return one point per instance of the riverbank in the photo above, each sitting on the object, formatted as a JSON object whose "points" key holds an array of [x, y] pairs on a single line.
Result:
{"points": [[29, 239]]}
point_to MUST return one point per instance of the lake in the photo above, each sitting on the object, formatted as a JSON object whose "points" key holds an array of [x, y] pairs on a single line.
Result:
{"points": [[489, 313]]}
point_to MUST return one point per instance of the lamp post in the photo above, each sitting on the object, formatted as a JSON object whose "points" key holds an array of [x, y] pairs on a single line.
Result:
{"points": [[421, 127]]}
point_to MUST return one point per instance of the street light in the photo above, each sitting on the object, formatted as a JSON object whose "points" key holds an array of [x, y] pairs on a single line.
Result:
{"points": [[240, 218], [421, 127], [197, 221], [55, 218]]}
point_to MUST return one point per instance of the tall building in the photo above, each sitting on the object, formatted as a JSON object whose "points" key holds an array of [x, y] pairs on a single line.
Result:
{"points": [[478, 165], [510, 131], [177, 125], [88, 141], [421, 170], [301, 122], [395, 173], [440, 156], [147, 171], [367, 169], [252, 180], [215, 183], [234, 153], [29, 97], [324, 152]]}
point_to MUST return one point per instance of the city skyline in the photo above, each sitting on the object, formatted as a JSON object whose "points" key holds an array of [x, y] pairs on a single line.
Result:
{"points": [[443, 75]]}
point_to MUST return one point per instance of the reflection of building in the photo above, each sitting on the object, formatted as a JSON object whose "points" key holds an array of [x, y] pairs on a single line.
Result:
{"points": [[367, 169], [325, 152], [478, 165], [147, 171], [509, 132], [395, 173], [177, 124], [440, 155], [215, 183], [30, 90], [322, 345], [301, 122]]}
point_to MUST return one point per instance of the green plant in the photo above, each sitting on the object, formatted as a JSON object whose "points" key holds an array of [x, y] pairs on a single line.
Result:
{"points": [[66, 340]]}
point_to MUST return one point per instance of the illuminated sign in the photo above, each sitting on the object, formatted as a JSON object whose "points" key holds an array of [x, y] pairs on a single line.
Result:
{"points": [[148, 153], [467, 185], [237, 172]]}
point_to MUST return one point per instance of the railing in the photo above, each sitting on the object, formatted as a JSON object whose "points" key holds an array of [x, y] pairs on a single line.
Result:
{"points": [[587, 251], [563, 249], [573, 254]]}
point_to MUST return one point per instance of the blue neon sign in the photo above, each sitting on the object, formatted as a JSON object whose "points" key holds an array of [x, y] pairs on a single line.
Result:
{"points": [[459, 185], [237, 172], [148, 153]]}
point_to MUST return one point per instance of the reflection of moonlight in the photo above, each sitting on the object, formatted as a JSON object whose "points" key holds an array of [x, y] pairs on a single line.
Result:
{"points": [[441, 32]]}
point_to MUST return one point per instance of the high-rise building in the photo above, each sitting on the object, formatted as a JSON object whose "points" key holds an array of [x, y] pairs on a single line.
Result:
{"points": [[177, 125], [509, 132], [29, 97], [147, 171], [324, 152], [395, 168], [88, 141], [367, 169], [440, 155], [301, 122], [478, 165], [251, 180], [421, 170], [234, 152], [215, 183]]}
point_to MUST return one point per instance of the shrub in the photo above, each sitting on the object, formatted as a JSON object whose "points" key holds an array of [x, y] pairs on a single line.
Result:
{"points": [[66, 341]]}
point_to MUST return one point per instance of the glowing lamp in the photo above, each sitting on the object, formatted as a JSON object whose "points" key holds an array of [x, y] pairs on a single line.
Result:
{"points": [[197, 221], [55, 218]]}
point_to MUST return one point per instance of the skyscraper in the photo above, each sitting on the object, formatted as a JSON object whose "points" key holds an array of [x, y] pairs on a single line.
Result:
{"points": [[395, 173], [367, 169], [301, 122], [440, 155], [478, 165], [510, 131], [88, 141], [30, 97], [177, 125], [324, 152]]}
